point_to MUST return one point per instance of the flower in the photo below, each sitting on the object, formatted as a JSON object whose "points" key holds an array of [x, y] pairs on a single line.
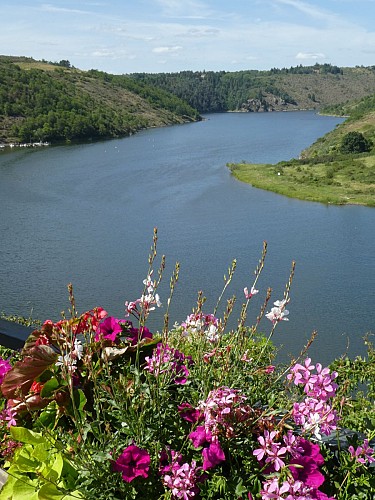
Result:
{"points": [[308, 463], [212, 452], [363, 454], [133, 462], [165, 359], [189, 413], [182, 481], [206, 323], [5, 366], [135, 335], [219, 410], [252, 292], [109, 329], [278, 312]]}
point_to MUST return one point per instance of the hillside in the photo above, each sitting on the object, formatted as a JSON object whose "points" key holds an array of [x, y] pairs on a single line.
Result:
{"points": [[309, 87], [360, 118], [40, 101], [326, 171]]}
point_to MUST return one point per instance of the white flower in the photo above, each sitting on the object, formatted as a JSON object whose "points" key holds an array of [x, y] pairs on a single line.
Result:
{"points": [[78, 348], [248, 295], [212, 333], [276, 314]]}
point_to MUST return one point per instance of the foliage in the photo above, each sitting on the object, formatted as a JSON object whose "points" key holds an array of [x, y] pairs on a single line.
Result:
{"points": [[355, 142], [67, 104], [98, 408], [301, 87]]}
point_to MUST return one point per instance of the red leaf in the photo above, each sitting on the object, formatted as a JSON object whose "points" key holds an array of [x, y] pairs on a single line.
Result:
{"points": [[20, 378]]}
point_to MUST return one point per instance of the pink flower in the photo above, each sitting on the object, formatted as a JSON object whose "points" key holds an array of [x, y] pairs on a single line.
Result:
{"points": [[165, 359], [220, 410], [109, 329], [135, 335], [309, 463], [5, 366], [182, 481], [133, 462], [363, 454], [8, 415]]}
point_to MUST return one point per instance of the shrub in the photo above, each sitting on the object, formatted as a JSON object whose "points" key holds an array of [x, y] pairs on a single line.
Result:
{"points": [[355, 142]]}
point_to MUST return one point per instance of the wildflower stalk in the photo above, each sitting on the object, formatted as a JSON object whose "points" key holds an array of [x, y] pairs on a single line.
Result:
{"points": [[257, 273], [231, 271], [172, 286]]}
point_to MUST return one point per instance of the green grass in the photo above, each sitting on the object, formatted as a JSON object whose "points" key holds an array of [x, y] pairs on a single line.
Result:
{"points": [[349, 180]]}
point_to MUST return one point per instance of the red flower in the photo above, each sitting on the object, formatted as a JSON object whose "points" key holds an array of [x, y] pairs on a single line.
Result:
{"points": [[132, 462], [36, 387]]}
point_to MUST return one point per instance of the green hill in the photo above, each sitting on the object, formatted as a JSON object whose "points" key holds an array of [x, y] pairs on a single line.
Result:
{"points": [[55, 102], [302, 87]]}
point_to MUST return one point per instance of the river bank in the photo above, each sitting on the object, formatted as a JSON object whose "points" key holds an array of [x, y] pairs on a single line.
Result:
{"points": [[345, 181]]}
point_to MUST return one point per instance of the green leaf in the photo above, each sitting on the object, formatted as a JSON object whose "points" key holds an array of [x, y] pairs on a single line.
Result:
{"points": [[55, 472], [26, 435], [49, 491], [49, 387], [48, 417], [7, 489], [79, 399], [23, 489]]}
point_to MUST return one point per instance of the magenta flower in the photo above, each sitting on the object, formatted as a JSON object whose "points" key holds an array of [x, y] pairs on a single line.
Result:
{"points": [[135, 335], [189, 413], [363, 454], [165, 359], [109, 329], [5, 366], [133, 462], [309, 463], [212, 452]]}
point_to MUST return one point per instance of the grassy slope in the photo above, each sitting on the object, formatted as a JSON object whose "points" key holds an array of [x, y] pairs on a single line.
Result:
{"points": [[322, 174], [349, 181]]}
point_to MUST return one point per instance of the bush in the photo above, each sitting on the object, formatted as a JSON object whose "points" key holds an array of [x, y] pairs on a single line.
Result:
{"points": [[355, 142]]}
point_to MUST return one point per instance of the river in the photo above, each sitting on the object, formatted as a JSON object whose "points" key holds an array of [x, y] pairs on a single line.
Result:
{"points": [[85, 214]]}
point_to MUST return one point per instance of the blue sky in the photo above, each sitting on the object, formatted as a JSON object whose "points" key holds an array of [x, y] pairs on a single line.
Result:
{"points": [[125, 36]]}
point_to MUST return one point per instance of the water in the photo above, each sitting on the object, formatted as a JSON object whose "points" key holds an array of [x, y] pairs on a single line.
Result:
{"points": [[85, 214]]}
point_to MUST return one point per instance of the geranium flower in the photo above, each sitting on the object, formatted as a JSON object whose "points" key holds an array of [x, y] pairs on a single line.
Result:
{"points": [[133, 462], [183, 481], [5, 366]]}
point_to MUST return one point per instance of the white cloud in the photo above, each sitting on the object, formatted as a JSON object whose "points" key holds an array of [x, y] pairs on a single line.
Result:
{"points": [[164, 50], [310, 55]]}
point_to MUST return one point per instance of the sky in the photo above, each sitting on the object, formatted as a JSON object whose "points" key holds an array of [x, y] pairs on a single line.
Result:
{"points": [[152, 36]]}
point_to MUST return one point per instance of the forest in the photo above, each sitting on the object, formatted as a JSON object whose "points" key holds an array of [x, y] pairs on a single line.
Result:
{"points": [[57, 103]]}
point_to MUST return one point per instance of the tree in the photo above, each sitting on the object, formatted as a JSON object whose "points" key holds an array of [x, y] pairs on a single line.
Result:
{"points": [[355, 142]]}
